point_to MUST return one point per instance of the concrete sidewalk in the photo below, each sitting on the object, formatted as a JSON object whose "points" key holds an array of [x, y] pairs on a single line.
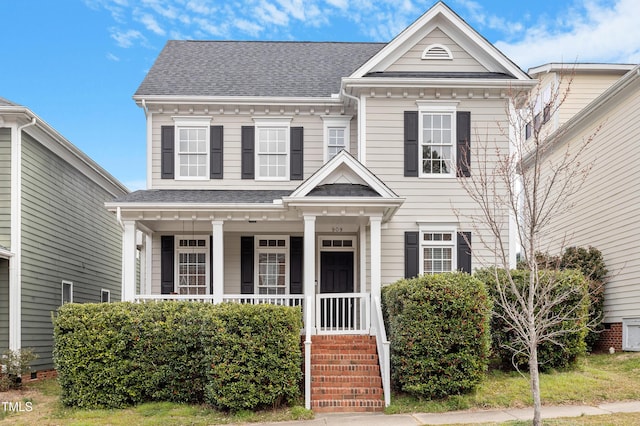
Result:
{"points": [[467, 416]]}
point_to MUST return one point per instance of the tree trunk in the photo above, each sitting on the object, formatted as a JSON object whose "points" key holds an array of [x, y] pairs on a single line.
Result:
{"points": [[535, 386]]}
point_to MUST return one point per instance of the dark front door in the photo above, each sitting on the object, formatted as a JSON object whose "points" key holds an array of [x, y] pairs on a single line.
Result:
{"points": [[336, 272], [336, 276]]}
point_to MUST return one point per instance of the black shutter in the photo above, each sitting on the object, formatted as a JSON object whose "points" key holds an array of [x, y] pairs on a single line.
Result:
{"points": [[167, 146], [215, 160], [295, 269], [464, 252], [248, 142], [296, 140], [246, 265], [411, 254], [166, 264], [463, 146], [411, 143]]}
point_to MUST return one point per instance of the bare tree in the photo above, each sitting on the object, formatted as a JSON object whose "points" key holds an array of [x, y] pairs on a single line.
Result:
{"points": [[532, 183]]}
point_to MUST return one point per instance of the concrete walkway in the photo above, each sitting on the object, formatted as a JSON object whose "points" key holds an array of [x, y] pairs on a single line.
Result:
{"points": [[467, 416]]}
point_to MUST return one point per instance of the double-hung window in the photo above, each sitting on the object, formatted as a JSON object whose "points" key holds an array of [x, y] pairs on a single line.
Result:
{"points": [[272, 149], [438, 250], [192, 148], [272, 257], [192, 254], [336, 135], [437, 138]]}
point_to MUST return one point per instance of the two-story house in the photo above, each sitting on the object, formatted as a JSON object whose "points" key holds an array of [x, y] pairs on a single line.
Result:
{"points": [[602, 102], [313, 173], [57, 242]]}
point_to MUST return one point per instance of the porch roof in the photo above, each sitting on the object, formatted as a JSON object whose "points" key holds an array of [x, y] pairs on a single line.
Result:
{"points": [[203, 196]]}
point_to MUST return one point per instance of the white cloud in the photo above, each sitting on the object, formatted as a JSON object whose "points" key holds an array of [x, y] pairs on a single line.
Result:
{"points": [[248, 27], [126, 38], [594, 32], [112, 57], [269, 13], [151, 24]]}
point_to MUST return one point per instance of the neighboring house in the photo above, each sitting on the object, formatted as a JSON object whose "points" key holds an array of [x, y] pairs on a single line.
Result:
{"points": [[311, 173], [57, 242], [606, 211]]}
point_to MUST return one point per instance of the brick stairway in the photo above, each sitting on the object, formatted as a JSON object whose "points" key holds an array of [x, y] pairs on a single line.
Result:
{"points": [[345, 374]]}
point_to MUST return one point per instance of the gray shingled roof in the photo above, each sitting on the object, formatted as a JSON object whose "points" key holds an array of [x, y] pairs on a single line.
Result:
{"points": [[6, 102], [254, 68], [203, 196], [342, 190]]}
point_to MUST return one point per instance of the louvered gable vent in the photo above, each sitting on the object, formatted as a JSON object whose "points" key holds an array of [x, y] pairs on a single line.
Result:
{"points": [[436, 51]]}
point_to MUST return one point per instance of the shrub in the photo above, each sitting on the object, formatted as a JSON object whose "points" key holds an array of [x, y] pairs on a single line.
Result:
{"points": [[254, 355], [119, 354], [591, 263], [569, 344], [438, 326], [14, 364]]}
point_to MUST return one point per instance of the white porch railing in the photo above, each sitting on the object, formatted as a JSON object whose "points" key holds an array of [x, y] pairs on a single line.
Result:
{"points": [[205, 298], [377, 323], [343, 313]]}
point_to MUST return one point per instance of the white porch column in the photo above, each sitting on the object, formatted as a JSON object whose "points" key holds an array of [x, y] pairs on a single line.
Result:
{"points": [[129, 261], [376, 249], [310, 264], [217, 267], [148, 253], [363, 256]]}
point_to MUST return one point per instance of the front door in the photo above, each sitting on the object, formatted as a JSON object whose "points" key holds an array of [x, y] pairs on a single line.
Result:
{"points": [[336, 272], [336, 276]]}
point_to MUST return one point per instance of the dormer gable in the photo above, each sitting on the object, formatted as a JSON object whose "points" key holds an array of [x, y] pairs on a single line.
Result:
{"points": [[443, 29]]}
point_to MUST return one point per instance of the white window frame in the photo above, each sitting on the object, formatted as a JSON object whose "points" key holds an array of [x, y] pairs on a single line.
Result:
{"points": [[107, 292], [63, 284], [186, 123], [258, 250], [453, 244], [192, 249], [341, 122], [430, 108], [270, 123]]}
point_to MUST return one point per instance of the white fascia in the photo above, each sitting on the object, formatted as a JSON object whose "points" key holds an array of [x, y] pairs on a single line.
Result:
{"points": [[237, 100], [467, 83]]}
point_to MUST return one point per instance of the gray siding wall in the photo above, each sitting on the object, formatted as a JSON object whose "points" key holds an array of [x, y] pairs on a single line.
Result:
{"points": [[4, 305], [67, 234], [5, 187]]}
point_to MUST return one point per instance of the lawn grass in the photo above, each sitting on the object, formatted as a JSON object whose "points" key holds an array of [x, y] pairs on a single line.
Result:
{"points": [[596, 379]]}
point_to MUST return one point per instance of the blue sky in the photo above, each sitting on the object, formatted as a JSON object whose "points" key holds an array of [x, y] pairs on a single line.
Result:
{"points": [[76, 63]]}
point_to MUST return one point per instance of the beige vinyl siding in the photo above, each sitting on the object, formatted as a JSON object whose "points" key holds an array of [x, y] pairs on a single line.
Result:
{"points": [[232, 125], [67, 234], [5, 187], [4, 305], [427, 199], [412, 60], [584, 88], [607, 209]]}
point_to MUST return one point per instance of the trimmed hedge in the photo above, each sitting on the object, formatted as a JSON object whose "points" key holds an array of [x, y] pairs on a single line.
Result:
{"points": [[119, 354], [571, 344], [438, 326]]}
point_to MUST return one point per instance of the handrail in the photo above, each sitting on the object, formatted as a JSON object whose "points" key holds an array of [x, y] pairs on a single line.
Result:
{"points": [[382, 343]]}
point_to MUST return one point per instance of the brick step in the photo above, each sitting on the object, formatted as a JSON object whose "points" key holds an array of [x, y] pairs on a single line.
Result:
{"points": [[360, 347], [345, 370], [344, 359], [346, 392], [346, 381], [349, 338], [347, 405]]}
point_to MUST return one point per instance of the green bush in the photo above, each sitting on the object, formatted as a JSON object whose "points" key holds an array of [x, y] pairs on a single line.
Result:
{"points": [[591, 263], [438, 326], [15, 363], [567, 345], [255, 357], [115, 355]]}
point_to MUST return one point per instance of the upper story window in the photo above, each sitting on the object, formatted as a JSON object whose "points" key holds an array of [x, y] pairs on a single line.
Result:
{"points": [[192, 148], [336, 136], [437, 140], [67, 292], [272, 149]]}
